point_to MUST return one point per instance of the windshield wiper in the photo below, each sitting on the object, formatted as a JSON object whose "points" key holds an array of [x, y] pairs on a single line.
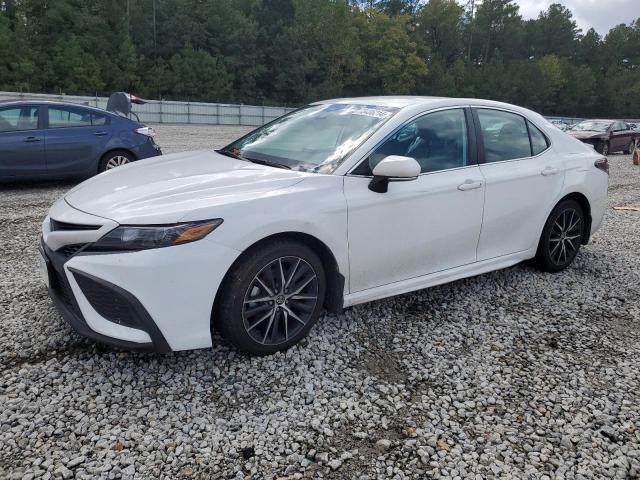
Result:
{"points": [[229, 153], [268, 163]]}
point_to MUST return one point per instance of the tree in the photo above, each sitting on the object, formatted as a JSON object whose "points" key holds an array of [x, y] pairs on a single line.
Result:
{"points": [[439, 27]]}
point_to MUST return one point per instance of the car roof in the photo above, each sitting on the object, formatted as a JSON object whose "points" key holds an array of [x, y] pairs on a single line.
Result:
{"points": [[4, 103], [402, 101]]}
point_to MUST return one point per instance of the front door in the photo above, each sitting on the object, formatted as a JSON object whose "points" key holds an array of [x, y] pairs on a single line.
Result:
{"points": [[21, 141], [421, 226]]}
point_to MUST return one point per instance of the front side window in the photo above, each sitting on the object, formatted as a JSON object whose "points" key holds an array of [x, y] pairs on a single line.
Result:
{"points": [[313, 139], [437, 141], [60, 117], [505, 135], [18, 118]]}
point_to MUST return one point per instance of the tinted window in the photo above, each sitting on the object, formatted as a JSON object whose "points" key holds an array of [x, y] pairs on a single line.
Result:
{"points": [[438, 141], [18, 118], [68, 117], [619, 127], [539, 142], [504, 134], [97, 119]]}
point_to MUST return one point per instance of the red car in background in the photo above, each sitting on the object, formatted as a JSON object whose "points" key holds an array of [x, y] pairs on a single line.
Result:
{"points": [[606, 136]]}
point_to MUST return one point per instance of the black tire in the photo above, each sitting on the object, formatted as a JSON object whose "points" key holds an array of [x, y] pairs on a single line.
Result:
{"points": [[121, 157], [561, 237], [238, 318], [603, 148], [629, 147]]}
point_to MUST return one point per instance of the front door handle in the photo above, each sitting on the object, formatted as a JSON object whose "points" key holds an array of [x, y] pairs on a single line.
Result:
{"points": [[469, 185], [100, 134], [31, 139], [549, 171]]}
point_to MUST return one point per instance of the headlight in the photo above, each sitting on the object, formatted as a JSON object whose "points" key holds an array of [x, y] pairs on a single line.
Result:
{"points": [[133, 237]]}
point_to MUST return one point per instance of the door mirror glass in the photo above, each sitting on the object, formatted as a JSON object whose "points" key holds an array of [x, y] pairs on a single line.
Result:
{"points": [[393, 168]]}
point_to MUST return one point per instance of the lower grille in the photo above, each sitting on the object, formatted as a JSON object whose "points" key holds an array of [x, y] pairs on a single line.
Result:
{"points": [[70, 250], [62, 288], [108, 302]]}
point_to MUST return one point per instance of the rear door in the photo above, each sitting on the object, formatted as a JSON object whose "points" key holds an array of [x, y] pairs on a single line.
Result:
{"points": [[21, 141], [75, 140], [523, 177]]}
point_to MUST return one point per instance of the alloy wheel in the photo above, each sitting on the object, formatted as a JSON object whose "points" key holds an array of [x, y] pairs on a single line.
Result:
{"points": [[280, 300], [564, 239], [116, 161]]}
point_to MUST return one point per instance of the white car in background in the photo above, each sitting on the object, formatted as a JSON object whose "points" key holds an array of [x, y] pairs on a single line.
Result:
{"points": [[338, 203]]}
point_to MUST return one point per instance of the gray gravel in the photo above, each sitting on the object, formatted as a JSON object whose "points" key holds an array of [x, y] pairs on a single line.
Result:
{"points": [[511, 374]]}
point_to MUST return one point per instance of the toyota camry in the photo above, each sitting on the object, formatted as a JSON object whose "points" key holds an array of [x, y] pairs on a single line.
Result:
{"points": [[335, 204]]}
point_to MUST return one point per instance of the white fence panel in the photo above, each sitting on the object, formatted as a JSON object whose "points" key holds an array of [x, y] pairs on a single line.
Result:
{"points": [[163, 111]]}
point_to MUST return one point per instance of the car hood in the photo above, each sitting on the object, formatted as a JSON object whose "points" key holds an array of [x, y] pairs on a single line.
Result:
{"points": [[580, 135], [165, 189]]}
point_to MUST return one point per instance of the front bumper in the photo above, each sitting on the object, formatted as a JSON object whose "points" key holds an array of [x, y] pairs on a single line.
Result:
{"points": [[61, 293], [159, 299]]}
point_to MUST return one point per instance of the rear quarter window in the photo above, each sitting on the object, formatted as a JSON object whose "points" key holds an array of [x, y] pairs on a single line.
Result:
{"points": [[539, 142]]}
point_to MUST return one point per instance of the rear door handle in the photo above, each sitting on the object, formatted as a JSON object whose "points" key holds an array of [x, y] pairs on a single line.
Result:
{"points": [[31, 139], [469, 185], [100, 134], [549, 171]]}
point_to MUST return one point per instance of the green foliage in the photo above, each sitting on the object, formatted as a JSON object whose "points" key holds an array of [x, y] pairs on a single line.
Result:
{"points": [[295, 51]]}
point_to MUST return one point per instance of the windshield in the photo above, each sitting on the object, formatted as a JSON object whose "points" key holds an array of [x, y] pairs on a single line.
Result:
{"points": [[316, 138], [591, 126]]}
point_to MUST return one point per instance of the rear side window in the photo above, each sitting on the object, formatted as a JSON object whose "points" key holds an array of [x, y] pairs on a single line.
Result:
{"points": [[97, 119], [60, 117], [539, 142], [505, 135], [18, 118]]}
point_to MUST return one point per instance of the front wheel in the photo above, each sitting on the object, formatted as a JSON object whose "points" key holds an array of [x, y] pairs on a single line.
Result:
{"points": [[271, 298], [603, 148], [561, 237], [630, 147]]}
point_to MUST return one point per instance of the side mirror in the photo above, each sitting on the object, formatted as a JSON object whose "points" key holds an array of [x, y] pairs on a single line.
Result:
{"points": [[394, 168]]}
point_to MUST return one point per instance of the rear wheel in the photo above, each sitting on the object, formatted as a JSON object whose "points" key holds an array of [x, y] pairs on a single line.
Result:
{"points": [[561, 237], [271, 298], [115, 159]]}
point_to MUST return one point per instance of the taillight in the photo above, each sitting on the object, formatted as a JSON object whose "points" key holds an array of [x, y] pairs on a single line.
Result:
{"points": [[602, 164], [148, 131]]}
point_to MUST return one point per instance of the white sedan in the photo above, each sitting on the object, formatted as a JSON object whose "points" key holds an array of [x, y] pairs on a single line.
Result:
{"points": [[338, 203]]}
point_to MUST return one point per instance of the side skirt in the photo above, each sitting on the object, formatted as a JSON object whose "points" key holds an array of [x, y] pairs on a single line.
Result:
{"points": [[438, 278]]}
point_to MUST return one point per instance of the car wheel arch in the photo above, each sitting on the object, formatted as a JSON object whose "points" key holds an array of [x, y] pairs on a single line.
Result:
{"points": [[583, 201], [110, 151], [334, 297]]}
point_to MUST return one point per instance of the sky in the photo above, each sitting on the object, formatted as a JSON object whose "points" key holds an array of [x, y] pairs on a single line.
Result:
{"points": [[599, 14]]}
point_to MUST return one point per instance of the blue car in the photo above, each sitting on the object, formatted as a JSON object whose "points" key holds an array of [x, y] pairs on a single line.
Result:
{"points": [[40, 139]]}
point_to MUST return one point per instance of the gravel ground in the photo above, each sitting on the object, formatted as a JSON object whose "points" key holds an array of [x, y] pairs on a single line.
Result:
{"points": [[511, 374]]}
